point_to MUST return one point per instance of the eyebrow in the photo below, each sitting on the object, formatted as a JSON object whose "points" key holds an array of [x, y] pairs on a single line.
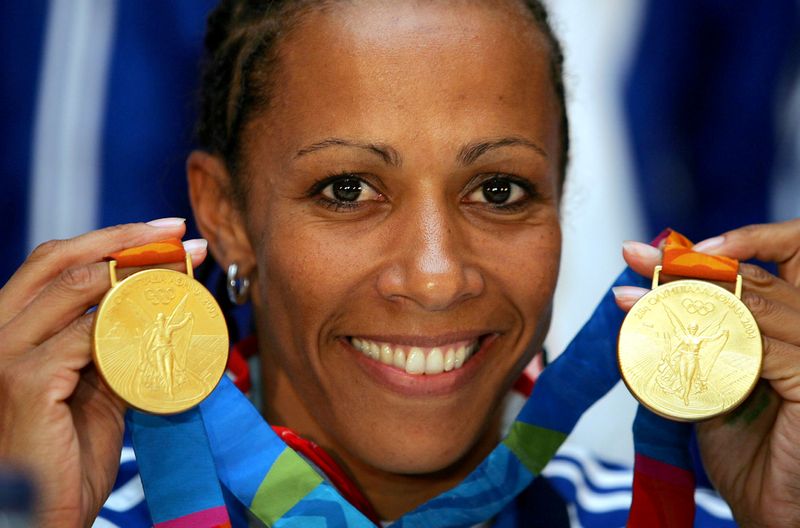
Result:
{"points": [[389, 155], [468, 154], [471, 152]]}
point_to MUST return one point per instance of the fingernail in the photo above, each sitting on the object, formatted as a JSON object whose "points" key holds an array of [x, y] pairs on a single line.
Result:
{"points": [[641, 249], [710, 244], [167, 222], [195, 246], [628, 293]]}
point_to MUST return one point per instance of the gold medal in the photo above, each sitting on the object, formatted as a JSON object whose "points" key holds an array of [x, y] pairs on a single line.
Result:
{"points": [[160, 340], [690, 350]]}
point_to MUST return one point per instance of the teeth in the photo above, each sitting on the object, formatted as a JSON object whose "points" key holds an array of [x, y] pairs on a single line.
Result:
{"points": [[449, 360], [374, 351], [460, 357], [434, 363], [417, 360], [387, 355], [415, 363], [400, 358]]}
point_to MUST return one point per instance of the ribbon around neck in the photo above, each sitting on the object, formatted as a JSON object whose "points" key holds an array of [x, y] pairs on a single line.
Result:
{"points": [[225, 442]]}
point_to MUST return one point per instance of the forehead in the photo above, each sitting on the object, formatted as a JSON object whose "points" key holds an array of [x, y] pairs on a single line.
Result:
{"points": [[381, 68]]}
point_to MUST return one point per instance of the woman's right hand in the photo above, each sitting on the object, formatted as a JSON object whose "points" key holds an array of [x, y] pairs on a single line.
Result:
{"points": [[58, 420]]}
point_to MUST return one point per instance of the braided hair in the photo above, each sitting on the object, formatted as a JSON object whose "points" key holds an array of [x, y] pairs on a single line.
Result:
{"points": [[241, 42]]}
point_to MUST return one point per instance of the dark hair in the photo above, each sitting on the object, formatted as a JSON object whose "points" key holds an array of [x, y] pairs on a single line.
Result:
{"points": [[241, 44]]}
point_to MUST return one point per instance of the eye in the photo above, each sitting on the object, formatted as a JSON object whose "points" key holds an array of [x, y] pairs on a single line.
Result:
{"points": [[499, 191], [344, 190], [349, 189]]}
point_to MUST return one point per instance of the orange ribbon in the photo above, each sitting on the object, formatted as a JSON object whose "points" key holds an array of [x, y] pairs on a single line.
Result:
{"points": [[162, 252], [680, 260]]}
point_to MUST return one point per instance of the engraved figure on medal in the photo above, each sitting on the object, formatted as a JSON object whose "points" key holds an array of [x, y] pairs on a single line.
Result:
{"points": [[163, 349], [686, 366]]}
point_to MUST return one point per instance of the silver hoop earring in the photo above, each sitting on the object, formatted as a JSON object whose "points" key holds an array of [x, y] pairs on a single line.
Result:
{"points": [[238, 289]]}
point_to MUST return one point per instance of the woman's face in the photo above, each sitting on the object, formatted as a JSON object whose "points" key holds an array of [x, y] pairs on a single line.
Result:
{"points": [[403, 208]]}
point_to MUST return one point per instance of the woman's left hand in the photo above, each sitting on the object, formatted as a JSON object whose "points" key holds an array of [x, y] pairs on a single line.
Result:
{"points": [[753, 454]]}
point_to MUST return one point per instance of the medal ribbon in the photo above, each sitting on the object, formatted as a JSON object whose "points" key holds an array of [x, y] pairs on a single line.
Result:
{"points": [[281, 488], [162, 252], [680, 260]]}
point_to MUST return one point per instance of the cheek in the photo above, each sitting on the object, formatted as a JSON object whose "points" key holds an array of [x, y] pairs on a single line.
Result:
{"points": [[525, 265], [311, 272]]}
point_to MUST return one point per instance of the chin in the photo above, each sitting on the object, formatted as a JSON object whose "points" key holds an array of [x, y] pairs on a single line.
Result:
{"points": [[419, 452]]}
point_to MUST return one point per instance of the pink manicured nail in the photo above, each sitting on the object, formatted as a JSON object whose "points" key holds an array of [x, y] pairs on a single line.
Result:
{"points": [[710, 244], [195, 246], [628, 293], [641, 249], [167, 222]]}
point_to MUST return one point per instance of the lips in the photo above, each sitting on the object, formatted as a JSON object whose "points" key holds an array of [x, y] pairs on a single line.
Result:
{"points": [[418, 360], [424, 361]]}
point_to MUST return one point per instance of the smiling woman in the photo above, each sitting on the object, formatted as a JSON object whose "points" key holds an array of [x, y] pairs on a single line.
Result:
{"points": [[398, 219], [386, 176]]}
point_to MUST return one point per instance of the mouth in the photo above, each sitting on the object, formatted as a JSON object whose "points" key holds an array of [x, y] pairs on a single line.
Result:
{"points": [[419, 360]]}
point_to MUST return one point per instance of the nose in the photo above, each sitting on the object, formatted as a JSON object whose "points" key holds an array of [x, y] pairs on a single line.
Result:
{"points": [[432, 263]]}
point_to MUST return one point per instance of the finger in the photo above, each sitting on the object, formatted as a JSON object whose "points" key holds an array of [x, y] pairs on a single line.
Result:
{"points": [[69, 349], [626, 296], [641, 257], [93, 383], [778, 243], [758, 280], [53, 373], [782, 368], [781, 360], [775, 319], [50, 259], [70, 295]]}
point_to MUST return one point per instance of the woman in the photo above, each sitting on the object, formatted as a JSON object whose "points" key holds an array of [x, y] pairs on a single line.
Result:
{"points": [[387, 176]]}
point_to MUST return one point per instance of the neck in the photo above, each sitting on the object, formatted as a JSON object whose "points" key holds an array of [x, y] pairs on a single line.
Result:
{"points": [[394, 494]]}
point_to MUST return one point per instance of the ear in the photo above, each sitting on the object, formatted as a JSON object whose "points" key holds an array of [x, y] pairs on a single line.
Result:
{"points": [[218, 217]]}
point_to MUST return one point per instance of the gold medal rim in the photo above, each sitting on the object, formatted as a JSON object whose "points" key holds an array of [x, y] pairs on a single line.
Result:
{"points": [[99, 313], [709, 416]]}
